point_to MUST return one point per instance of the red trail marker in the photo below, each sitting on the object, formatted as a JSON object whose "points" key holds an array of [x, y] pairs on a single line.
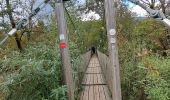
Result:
{"points": [[63, 45]]}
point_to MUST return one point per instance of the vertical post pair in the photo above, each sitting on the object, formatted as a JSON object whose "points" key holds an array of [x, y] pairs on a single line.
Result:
{"points": [[113, 52]]}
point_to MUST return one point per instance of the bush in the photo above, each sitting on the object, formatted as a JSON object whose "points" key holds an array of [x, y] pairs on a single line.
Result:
{"points": [[32, 74]]}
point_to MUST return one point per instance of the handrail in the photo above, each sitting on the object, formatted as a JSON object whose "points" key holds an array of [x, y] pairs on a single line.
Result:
{"points": [[85, 59], [106, 69]]}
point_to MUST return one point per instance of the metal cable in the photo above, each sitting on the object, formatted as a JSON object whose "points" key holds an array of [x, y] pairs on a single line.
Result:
{"points": [[71, 20]]}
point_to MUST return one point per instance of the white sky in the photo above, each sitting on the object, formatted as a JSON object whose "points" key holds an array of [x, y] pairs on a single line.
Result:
{"points": [[136, 9], [139, 11], [90, 16]]}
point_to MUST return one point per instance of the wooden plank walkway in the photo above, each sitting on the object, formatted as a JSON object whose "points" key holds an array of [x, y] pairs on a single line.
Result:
{"points": [[94, 84]]}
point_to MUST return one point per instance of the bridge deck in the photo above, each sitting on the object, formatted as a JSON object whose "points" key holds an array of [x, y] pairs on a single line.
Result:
{"points": [[94, 85]]}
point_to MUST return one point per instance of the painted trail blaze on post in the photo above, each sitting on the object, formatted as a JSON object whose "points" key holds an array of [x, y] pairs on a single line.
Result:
{"points": [[63, 45]]}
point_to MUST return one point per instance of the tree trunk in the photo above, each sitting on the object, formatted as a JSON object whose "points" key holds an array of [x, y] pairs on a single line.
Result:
{"points": [[13, 24], [30, 22], [163, 5]]}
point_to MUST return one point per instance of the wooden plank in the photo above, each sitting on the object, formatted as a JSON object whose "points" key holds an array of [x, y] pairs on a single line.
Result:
{"points": [[84, 80], [94, 79], [101, 91], [107, 93], [86, 93], [96, 93], [91, 95], [93, 66], [82, 94], [91, 79], [100, 79], [88, 79]]}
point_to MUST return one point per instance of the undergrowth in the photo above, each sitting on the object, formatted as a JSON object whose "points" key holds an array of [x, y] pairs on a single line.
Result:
{"points": [[35, 73]]}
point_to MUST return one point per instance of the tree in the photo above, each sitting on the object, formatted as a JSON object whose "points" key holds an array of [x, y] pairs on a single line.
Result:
{"points": [[11, 11], [160, 4], [92, 5], [13, 23]]}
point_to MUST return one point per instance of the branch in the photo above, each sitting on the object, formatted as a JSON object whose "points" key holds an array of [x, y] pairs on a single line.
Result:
{"points": [[147, 3]]}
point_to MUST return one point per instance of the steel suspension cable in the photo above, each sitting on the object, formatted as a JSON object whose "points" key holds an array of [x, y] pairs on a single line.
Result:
{"points": [[72, 22]]}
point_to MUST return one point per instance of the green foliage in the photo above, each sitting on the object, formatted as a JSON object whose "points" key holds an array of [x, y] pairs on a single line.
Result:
{"points": [[158, 79], [92, 33], [86, 34], [147, 34], [32, 74], [157, 89], [35, 73], [144, 73], [60, 93]]}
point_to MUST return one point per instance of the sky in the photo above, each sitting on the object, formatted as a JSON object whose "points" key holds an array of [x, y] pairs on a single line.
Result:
{"points": [[137, 9], [134, 8], [45, 13], [90, 16]]}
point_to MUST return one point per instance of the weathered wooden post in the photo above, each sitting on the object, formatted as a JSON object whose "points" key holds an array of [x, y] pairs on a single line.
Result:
{"points": [[110, 9], [64, 48]]}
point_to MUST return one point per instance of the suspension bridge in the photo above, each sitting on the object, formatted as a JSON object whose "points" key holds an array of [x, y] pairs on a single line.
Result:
{"points": [[99, 74]]}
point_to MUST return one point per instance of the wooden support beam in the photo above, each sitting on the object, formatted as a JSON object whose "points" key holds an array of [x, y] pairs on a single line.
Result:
{"points": [[64, 48], [110, 16]]}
